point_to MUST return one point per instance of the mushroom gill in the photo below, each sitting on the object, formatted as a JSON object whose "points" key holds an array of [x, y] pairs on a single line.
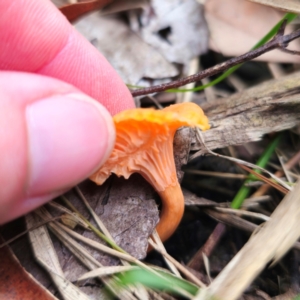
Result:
{"points": [[144, 145]]}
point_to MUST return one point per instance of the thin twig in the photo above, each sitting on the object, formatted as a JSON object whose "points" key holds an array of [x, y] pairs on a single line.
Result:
{"points": [[155, 238], [94, 215], [265, 179], [199, 136], [290, 164], [28, 230], [196, 262], [241, 212], [280, 41], [216, 174], [179, 266]]}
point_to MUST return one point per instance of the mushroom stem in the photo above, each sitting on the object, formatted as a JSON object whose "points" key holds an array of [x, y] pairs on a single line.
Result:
{"points": [[172, 210]]}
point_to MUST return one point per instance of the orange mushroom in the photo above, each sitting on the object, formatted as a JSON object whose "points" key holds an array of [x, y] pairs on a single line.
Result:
{"points": [[144, 145]]}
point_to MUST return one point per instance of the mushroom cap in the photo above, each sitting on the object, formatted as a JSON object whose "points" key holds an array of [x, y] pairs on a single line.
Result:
{"points": [[144, 143]]}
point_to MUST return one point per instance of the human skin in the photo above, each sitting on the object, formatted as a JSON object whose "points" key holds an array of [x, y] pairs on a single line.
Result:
{"points": [[57, 95]]}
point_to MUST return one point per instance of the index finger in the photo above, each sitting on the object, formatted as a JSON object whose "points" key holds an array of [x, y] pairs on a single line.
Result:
{"points": [[35, 37]]}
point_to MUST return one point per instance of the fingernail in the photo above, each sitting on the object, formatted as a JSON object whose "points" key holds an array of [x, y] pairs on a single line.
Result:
{"points": [[69, 137]]}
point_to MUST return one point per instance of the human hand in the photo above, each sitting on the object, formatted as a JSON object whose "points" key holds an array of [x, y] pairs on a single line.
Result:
{"points": [[52, 135]]}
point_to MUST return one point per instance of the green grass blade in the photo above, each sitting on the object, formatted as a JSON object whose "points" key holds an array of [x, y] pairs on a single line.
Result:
{"points": [[244, 191], [165, 281], [289, 17]]}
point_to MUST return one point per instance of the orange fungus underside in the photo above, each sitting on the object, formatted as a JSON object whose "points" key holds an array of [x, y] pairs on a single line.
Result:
{"points": [[144, 143]]}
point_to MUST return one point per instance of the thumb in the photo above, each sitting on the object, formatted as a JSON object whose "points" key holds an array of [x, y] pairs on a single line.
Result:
{"points": [[52, 136]]}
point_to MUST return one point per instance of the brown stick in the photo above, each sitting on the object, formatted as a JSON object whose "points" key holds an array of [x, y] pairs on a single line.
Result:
{"points": [[197, 261]]}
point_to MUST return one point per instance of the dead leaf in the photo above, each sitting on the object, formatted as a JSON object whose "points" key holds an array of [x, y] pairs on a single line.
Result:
{"points": [[134, 59], [286, 5], [45, 254], [76, 10], [176, 28], [15, 282], [235, 26], [122, 206]]}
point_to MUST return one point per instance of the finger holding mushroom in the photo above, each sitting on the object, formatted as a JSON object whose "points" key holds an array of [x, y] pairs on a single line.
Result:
{"points": [[144, 145]]}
